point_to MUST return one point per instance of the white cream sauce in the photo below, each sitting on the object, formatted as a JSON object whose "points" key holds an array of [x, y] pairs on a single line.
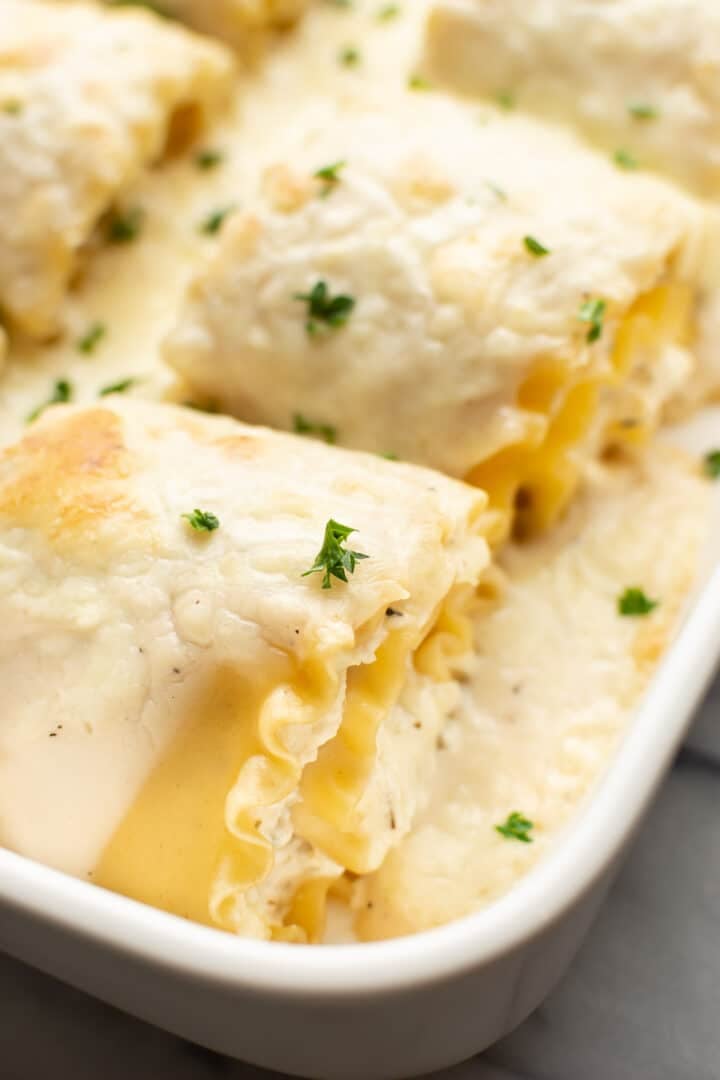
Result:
{"points": [[557, 676]]}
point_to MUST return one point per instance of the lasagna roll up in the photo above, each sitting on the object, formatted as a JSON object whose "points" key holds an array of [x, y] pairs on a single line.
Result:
{"points": [[640, 77], [464, 291], [88, 98], [219, 732]]}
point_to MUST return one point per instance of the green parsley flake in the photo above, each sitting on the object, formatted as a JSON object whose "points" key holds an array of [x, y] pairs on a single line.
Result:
{"points": [[92, 337], [506, 100], [516, 827], [209, 158], [62, 392], [535, 247], [214, 222], [12, 107], [388, 12], [330, 176], [349, 56], [624, 159], [711, 462], [593, 312], [124, 226], [118, 387], [332, 312], [202, 521], [333, 560], [640, 110], [497, 191], [634, 602], [302, 426], [418, 82]]}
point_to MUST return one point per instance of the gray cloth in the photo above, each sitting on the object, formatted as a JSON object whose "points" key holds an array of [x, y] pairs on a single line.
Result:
{"points": [[642, 1001]]}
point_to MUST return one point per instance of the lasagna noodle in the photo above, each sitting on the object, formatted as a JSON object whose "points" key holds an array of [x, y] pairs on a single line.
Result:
{"points": [[88, 98], [639, 76], [465, 349], [355, 801], [231, 669], [532, 745]]}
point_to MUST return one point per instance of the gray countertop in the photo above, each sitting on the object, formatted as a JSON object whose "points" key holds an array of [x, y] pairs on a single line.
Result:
{"points": [[641, 1002]]}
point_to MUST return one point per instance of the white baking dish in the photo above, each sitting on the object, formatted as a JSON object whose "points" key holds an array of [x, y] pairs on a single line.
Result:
{"points": [[392, 1009]]}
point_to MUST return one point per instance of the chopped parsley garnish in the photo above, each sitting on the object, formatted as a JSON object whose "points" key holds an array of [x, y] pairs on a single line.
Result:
{"points": [[12, 107], [505, 99], [118, 387], [388, 12], [209, 158], [349, 56], [641, 110], [214, 222], [625, 159], [330, 176], [62, 392], [516, 827], [418, 82], [635, 602], [202, 521], [92, 337], [124, 226], [389, 456], [535, 247], [712, 464], [593, 312], [323, 309], [333, 560], [303, 426], [497, 191]]}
